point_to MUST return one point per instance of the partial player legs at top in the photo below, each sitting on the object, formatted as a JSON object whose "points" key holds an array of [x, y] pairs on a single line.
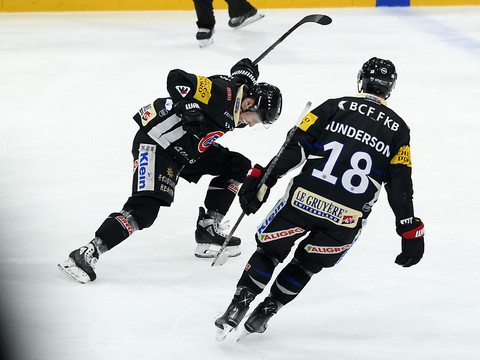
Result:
{"points": [[241, 13]]}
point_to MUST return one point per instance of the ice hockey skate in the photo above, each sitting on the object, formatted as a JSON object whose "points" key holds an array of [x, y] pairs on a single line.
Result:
{"points": [[234, 314], [210, 236], [245, 19], [257, 322], [80, 264], [205, 37]]}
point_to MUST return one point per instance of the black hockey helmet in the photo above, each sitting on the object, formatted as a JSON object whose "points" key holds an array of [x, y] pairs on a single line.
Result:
{"points": [[268, 101], [377, 76]]}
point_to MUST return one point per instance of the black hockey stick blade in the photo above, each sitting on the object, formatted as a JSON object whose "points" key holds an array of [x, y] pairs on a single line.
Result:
{"points": [[314, 18], [317, 18]]}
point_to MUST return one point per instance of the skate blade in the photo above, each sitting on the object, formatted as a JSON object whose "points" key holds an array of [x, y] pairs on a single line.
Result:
{"points": [[243, 335], [208, 251], [222, 333], [205, 43], [68, 267], [250, 20]]}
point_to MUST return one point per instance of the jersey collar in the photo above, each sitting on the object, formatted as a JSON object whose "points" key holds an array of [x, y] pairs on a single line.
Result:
{"points": [[372, 97]]}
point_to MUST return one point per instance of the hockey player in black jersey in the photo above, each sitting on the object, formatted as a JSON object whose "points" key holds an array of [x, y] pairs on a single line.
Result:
{"points": [[177, 139], [349, 147]]}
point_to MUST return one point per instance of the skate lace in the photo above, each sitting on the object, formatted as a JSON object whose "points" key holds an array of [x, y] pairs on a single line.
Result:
{"points": [[89, 256], [222, 228]]}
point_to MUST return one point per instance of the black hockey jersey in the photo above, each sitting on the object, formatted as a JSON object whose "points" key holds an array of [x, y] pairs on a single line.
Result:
{"points": [[349, 146], [215, 96]]}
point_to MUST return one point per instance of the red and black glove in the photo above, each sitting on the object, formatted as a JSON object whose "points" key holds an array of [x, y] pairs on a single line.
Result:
{"points": [[412, 232], [252, 198]]}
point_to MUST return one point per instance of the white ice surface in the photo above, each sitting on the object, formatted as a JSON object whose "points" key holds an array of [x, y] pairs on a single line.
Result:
{"points": [[69, 84]]}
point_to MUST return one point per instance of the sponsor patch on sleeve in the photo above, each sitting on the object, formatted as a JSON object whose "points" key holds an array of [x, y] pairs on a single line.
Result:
{"points": [[204, 89], [308, 121], [147, 113], [402, 157]]}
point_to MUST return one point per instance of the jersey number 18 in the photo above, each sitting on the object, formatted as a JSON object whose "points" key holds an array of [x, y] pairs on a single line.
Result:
{"points": [[357, 169]]}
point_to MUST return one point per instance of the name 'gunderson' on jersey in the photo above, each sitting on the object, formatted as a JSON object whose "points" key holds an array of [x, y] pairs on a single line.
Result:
{"points": [[349, 146], [214, 96]]}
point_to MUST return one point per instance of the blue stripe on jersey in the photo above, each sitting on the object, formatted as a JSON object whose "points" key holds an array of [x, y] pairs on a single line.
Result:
{"points": [[379, 172], [307, 143]]}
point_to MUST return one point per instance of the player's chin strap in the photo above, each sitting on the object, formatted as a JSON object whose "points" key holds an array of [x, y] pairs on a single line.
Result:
{"points": [[237, 109]]}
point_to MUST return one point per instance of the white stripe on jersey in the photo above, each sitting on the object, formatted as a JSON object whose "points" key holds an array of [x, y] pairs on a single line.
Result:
{"points": [[163, 133], [310, 157]]}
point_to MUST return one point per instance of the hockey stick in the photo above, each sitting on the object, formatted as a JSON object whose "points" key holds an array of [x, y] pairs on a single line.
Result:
{"points": [[222, 256], [315, 18]]}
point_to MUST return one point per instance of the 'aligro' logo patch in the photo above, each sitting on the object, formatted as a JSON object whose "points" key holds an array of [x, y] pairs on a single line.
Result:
{"points": [[208, 140]]}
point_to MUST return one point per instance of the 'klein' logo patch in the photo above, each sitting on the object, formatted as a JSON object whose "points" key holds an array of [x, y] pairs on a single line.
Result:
{"points": [[146, 167]]}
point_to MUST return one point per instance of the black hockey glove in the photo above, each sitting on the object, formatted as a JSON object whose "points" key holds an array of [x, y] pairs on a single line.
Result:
{"points": [[245, 72], [251, 198], [413, 246], [193, 119]]}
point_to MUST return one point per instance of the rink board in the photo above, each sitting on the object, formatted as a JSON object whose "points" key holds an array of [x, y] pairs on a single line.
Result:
{"points": [[145, 5]]}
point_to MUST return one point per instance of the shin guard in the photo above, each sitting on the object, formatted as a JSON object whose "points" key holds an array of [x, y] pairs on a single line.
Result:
{"points": [[116, 228], [291, 280], [258, 271]]}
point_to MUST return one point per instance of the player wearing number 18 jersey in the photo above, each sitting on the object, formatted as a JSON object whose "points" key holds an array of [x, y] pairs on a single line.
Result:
{"points": [[348, 147]]}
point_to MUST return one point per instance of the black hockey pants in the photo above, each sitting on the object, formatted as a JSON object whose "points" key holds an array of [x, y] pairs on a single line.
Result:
{"points": [[229, 168], [154, 180], [323, 247]]}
